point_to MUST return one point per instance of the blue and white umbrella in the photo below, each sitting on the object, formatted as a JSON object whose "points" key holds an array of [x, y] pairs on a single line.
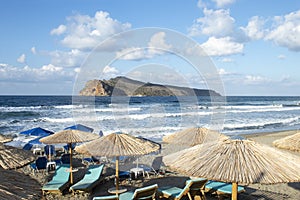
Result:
{"points": [[80, 127]]}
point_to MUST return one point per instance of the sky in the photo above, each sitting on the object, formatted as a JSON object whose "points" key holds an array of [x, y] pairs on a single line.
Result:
{"points": [[253, 46]]}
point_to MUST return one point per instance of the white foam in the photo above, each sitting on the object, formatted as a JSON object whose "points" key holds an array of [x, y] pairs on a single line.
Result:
{"points": [[258, 123]]}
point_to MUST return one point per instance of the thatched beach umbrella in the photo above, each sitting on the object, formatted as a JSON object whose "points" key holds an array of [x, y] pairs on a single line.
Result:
{"points": [[15, 185], [118, 144], [291, 142], [193, 136], [11, 157], [236, 161], [69, 136], [4, 139]]}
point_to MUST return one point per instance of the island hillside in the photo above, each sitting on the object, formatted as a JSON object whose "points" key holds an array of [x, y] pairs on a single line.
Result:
{"points": [[123, 86]]}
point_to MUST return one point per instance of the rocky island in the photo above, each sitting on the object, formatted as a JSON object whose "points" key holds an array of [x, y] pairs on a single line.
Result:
{"points": [[123, 86]]}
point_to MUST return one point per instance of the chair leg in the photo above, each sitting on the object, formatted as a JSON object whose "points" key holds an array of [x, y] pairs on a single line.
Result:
{"points": [[190, 196], [202, 195]]}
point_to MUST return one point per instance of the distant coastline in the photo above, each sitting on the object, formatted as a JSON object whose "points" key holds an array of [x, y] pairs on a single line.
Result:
{"points": [[123, 86]]}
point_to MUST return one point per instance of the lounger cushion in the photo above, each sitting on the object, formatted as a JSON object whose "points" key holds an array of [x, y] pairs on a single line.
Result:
{"points": [[111, 197], [91, 176], [59, 180], [170, 191], [222, 187], [140, 193]]}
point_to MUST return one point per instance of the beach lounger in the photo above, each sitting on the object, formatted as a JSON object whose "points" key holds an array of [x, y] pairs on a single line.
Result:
{"points": [[145, 193], [155, 167], [192, 186], [111, 197], [198, 187], [90, 179], [222, 188], [49, 151], [65, 158], [39, 164], [90, 160], [59, 181]]}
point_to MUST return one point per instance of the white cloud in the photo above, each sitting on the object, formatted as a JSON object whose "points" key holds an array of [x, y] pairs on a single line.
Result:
{"points": [[51, 68], [201, 4], [222, 72], [255, 79], [46, 73], [281, 57], [217, 23], [59, 30], [77, 69], [222, 46], [110, 70], [222, 3], [72, 58], [85, 32], [287, 31], [132, 53], [22, 58], [227, 60], [157, 45], [33, 50], [255, 28]]}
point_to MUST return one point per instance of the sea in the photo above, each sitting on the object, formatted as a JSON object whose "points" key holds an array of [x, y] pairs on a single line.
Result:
{"points": [[150, 117]]}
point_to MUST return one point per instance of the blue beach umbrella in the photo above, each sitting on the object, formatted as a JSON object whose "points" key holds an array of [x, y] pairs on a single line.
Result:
{"points": [[38, 131], [80, 127]]}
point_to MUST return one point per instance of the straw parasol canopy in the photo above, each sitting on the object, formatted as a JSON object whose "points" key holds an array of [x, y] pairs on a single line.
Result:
{"points": [[11, 157], [69, 136], [291, 142], [118, 144], [16, 185], [193, 136], [236, 161], [4, 139]]}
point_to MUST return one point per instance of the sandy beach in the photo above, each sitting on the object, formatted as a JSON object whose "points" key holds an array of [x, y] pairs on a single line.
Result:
{"points": [[253, 191]]}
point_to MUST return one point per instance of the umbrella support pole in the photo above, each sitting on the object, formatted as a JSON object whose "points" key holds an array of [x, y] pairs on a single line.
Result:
{"points": [[117, 174], [71, 173], [234, 191]]}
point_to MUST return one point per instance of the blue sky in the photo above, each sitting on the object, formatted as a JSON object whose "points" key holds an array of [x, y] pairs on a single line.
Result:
{"points": [[254, 45]]}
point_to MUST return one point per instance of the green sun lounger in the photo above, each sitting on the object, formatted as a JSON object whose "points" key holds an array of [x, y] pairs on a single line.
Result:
{"points": [[147, 192], [60, 180], [192, 187], [222, 188], [111, 197], [91, 178]]}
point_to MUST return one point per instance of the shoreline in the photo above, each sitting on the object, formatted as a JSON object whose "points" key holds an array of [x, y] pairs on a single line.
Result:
{"points": [[268, 137]]}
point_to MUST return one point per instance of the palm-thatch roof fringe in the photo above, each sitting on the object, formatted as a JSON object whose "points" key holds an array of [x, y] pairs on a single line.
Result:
{"points": [[118, 144], [69, 136], [11, 157], [240, 161], [193, 136], [16, 185], [291, 142], [4, 139]]}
